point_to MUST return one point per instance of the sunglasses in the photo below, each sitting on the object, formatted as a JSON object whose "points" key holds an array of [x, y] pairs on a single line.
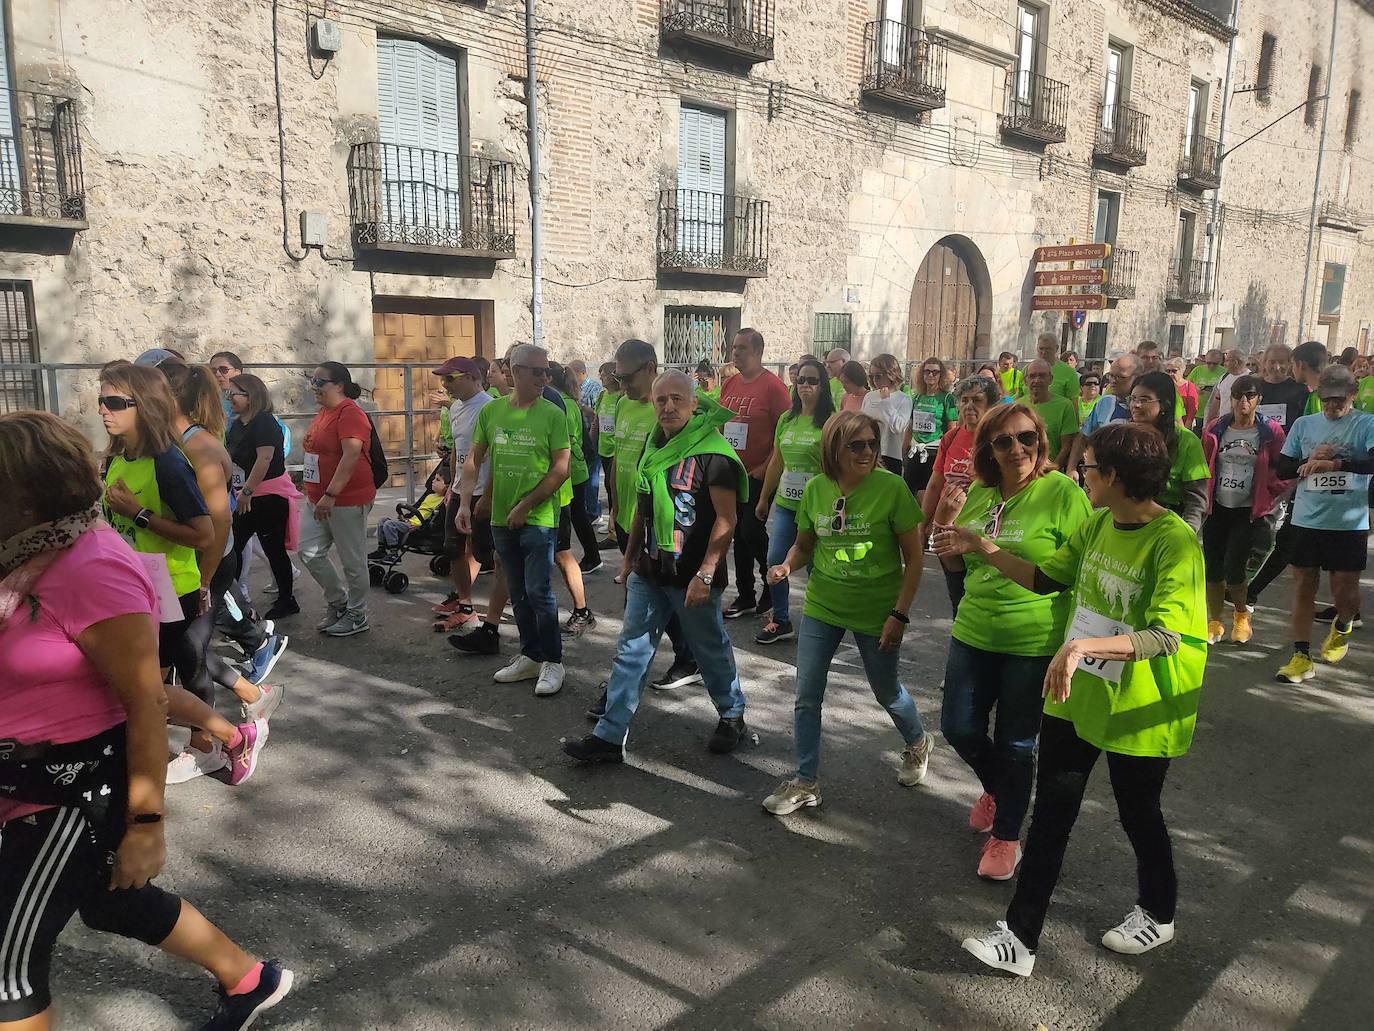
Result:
{"points": [[1026, 438], [930, 372], [237, 393], [993, 526], [115, 403], [537, 371], [808, 381], [222, 370], [1092, 383], [454, 377], [1248, 395], [625, 377], [837, 520], [858, 447], [319, 384]]}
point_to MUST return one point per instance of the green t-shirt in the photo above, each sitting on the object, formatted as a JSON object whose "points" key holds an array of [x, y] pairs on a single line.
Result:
{"points": [[798, 440], [1205, 379], [857, 571], [577, 462], [1129, 580], [935, 411], [494, 392], [1084, 407], [605, 423], [1314, 404], [1364, 399], [836, 391], [1013, 382], [522, 443], [1065, 382], [1061, 420], [1189, 465], [998, 614], [634, 421], [445, 430], [714, 392]]}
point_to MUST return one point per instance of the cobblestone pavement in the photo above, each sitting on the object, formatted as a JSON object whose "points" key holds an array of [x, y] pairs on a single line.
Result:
{"points": [[416, 846]]}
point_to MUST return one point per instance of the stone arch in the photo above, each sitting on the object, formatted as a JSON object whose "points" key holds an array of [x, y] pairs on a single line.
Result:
{"points": [[950, 312]]}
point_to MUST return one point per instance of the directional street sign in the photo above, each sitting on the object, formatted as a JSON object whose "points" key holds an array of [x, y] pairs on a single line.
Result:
{"points": [[1068, 302], [1073, 252], [1072, 277]]}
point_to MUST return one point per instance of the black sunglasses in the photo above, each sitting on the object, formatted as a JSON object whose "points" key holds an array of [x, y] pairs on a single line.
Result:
{"points": [[115, 403], [1248, 395], [808, 381], [1026, 438], [319, 384], [858, 447], [1092, 383], [538, 371], [625, 377]]}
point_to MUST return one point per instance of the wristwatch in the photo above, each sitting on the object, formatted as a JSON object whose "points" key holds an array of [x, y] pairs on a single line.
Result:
{"points": [[143, 518], [705, 578], [145, 818], [246, 492]]}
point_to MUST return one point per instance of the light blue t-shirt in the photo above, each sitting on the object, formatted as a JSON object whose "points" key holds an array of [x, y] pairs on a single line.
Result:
{"points": [[1109, 408], [1332, 501]]}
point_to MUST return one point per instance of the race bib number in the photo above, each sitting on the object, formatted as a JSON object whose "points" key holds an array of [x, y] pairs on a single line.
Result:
{"points": [[237, 478], [169, 606], [922, 422], [1087, 624], [1328, 483], [1235, 476], [737, 433], [461, 457], [1279, 413], [793, 483], [311, 473], [607, 424]]}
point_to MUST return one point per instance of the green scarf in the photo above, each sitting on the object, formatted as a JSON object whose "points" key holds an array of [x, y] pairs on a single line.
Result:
{"points": [[701, 436]]}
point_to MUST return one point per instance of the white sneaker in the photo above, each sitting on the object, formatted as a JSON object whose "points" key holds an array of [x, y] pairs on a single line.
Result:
{"points": [[791, 795], [1138, 933], [266, 706], [1002, 950], [193, 763], [915, 761], [550, 679], [521, 668]]}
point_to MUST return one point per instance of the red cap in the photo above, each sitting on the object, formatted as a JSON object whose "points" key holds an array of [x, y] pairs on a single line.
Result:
{"points": [[467, 366]]}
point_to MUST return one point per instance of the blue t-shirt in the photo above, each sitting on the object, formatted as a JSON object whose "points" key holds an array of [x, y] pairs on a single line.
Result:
{"points": [[1109, 408], [1332, 501]]}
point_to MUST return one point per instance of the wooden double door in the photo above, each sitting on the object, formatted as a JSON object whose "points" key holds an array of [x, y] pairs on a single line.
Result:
{"points": [[943, 321]]}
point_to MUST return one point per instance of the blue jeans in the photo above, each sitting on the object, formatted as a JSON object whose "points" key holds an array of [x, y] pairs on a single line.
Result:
{"points": [[594, 486], [648, 607], [780, 540], [975, 681], [527, 559], [816, 646]]}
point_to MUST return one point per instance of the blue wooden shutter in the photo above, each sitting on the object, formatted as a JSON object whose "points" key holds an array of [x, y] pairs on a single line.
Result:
{"points": [[701, 172], [418, 121]]}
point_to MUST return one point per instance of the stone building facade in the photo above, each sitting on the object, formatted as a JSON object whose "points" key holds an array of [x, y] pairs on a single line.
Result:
{"points": [[865, 172]]}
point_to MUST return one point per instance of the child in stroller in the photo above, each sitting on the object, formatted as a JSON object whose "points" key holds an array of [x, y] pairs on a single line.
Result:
{"points": [[418, 530]]}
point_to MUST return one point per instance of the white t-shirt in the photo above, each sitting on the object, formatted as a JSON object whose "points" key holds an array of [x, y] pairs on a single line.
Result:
{"points": [[1223, 394], [462, 418], [894, 416]]}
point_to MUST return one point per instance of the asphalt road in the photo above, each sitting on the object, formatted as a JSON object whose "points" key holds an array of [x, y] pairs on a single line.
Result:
{"points": [[418, 849]]}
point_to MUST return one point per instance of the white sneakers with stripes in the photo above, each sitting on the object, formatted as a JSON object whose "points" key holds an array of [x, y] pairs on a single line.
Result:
{"points": [[1003, 950], [1138, 933]]}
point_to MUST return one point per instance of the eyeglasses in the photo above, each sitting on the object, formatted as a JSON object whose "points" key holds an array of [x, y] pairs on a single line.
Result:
{"points": [[808, 381], [454, 377], [237, 393], [625, 377], [1141, 400], [116, 403], [1085, 466], [858, 447], [994, 521], [837, 520], [319, 384], [1026, 438], [537, 371]]}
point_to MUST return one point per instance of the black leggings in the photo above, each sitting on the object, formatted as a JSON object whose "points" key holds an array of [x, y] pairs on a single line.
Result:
{"points": [[1229, 536], [574, 519], [1065, 761], [200, 668], [267, 518]]}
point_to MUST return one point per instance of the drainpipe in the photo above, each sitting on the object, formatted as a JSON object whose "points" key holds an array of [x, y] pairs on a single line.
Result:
{"points": [[536, 201], [1317, 182], [1213, 226]]}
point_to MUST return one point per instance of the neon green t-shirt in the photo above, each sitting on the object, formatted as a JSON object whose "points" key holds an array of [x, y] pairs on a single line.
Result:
{"points": [[798, 440], [1013, 382], [857, 572], [1128, 580], [1189, 465], [997, 614], [714, 392], [1205, 379], [522, 443], [445, 430], [1314, 404], [1364, 399], [931, 415], [1061, 420], [1065, 381], [634, 421], [1084, 407], [836, 391], [605, 423], [577, 462]]}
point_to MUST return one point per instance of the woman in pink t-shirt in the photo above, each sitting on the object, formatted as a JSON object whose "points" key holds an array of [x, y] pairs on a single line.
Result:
{"points": [[853, 387], [83, 735]]}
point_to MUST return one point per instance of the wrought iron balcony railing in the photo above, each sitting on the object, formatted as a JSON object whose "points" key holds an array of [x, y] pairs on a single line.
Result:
{"points": [[1121, 274], [1200, 166], [1337, 216], [903, 65], [41, 181], [1189, 282], [415, 199], [740, 29], [1123, 135], [712, 233], [1036, 108]]}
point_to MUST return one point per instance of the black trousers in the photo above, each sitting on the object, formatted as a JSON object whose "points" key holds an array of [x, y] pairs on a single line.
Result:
{"points": [[266, 519], [1065, 762], [751, 544]]}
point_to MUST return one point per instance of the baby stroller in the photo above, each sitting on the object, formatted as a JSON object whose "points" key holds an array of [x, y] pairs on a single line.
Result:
{"points": [[425, 539]]}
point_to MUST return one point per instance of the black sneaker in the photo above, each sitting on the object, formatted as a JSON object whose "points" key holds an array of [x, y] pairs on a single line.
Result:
{"points": [[726, 735], [678, 675], [590, 564], [774, 632], [482, 641], [376, 554], [578, 623], [739, 607], [486, 568], [283, 608], [599, 709], [592, 749], [236, 1012], [607, 544], [1328, 615]]}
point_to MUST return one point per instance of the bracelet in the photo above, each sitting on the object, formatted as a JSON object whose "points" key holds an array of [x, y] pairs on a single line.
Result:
{"points": [[900, 617], [331, 495], [140, 818]]}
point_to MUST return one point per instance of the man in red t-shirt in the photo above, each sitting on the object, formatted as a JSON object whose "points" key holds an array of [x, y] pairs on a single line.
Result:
{"points": [[758, 398]]}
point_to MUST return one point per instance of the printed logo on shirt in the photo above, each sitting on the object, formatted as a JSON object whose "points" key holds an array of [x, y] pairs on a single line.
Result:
{"points": [[1117, 589]]}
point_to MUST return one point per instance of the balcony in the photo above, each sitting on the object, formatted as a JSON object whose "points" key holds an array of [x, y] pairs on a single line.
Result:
{"points": [[1123, 135], [1036, 109], [740, 30], [1189, 282], [410, 199], [41, 182], [1336, 216], [903, 66], [714, 234], [1200, 166], [1121, 274]]}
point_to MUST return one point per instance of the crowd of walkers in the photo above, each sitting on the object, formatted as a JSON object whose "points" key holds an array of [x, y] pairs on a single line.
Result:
{"points": [[1090, 524]]}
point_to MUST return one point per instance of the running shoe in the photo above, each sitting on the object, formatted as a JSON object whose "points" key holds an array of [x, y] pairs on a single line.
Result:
{"points": [[915, 760], [332, 615], [1000, 859], [739, 607], [1337, 643], [550, 680], [348, 625], [522, 667], [774, 631], [451, 622], [237, 1012], [1138, 933], [1002, 950], [1298, 669], [592, 749], [1241, 630], [590, 564], [266, 706], [1215, 631], [578, 623], [265, 658], [984, 810], [485, 640], [284, 607], [791, 795], [607, 544], [726, 737], [1328, 615], [243, 757], [678, 675], [449, 605], [193, 763]]}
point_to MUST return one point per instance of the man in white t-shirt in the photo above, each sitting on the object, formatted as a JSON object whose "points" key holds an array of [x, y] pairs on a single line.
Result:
{"points": [[462, 378], [1236, 367]]}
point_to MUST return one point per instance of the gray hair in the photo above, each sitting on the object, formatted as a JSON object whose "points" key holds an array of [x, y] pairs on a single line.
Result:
{"points": [[522, 353], [977, 384], [676, 375]]}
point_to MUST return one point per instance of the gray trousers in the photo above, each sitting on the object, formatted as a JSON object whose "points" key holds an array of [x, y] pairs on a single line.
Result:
{"points": [[345, 531]]}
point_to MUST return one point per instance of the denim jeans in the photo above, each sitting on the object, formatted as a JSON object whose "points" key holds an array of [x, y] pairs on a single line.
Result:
{"points": [[527, 558], [780, 540], [817, 643], [594, 486], [648, 608], [975, 681]]}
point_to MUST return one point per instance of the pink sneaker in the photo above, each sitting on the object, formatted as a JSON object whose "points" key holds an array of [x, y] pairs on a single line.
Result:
{"points": [[1000, 859], [454, 620], [980, 816], [243, 759]]}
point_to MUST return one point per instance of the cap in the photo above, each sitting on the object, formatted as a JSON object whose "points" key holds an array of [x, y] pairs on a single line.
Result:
{"points": [[154, 356], [1336, 381], [467, 366]]}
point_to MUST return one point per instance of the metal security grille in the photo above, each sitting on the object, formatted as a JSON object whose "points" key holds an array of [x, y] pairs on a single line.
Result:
{"points": [[691, 334], [831, 331], [18, 343]]}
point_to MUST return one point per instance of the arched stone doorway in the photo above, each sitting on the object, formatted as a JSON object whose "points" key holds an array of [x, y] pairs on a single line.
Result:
{"points": [[951, 303]]}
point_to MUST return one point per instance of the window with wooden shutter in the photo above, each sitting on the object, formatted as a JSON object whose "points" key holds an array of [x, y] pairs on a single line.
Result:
{"points": [[19, 389]]}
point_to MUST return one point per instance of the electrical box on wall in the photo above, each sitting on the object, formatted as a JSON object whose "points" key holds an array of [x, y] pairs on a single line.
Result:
{"points": [[314, 227], [325, 36]]}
